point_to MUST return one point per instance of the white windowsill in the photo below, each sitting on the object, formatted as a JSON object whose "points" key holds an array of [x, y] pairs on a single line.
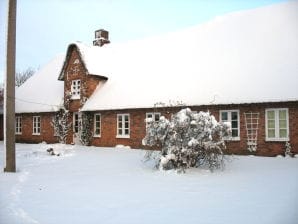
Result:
{"points": [[277, 139], [96, 136], [36, 134], [75, 98], [18, 133], [231, 138], [122, 136]]}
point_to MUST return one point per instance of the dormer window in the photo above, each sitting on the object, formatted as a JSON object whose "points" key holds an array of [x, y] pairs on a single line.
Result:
{"points": [[76, 89]]}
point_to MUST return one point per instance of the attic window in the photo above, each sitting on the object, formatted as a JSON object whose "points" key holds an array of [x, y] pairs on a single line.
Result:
{"points": [[76, 89]]}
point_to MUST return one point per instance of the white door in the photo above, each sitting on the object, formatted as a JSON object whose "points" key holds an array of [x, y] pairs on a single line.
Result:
{"points": [[76, 128]]}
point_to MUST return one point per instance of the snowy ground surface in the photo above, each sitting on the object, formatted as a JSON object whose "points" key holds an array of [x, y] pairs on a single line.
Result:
{"points": [[109, 185]]}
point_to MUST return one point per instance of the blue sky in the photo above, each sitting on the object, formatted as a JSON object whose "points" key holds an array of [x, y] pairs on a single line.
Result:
{"points": [[45, 28]]}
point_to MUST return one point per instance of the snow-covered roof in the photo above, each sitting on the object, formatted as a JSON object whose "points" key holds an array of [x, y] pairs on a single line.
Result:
{"points": [[91, 57], [42, 92], [242, 57]]}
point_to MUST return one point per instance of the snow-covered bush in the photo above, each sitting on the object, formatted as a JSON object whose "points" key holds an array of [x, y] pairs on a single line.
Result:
{"points": [[85, 130], [288, 149], [61, 124], [188, 139]]}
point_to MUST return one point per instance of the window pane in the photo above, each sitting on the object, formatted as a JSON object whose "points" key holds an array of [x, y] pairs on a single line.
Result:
{"points": [[157, 117], [283, 124], [126, 131], [119, 131], [283, 133], [271, 124], [271, 115], [234, 124], [271, 133], [224, 116], [126, 124], [234, 133], [282, 115], [234, 116]]}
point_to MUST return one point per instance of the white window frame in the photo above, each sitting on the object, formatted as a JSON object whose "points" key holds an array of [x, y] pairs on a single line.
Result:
{"points": [[122, 126], [75, 89], [96, 126], [276, 120], [36, 125], [153, 115], [18, 124], [236, 138]]}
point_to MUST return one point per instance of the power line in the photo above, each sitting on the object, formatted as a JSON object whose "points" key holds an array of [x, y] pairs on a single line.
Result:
{"points": [[32, 102]]}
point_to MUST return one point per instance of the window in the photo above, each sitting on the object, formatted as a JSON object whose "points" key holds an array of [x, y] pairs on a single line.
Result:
{"points": [[97, 125], [18, 125], [277, 125], [76, 89], [154, 116], [36, 125], [232, 116], [123, 126]]}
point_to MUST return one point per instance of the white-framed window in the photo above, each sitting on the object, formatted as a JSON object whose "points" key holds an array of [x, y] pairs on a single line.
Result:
{"points": [[277, 124], [76, 89], [231, 116], [18, 125], [123, 126], [97, 125], [155, 116], [36, 125]]}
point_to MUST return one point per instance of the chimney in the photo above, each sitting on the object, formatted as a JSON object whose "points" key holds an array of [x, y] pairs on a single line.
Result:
{"points": [[101, 38]]}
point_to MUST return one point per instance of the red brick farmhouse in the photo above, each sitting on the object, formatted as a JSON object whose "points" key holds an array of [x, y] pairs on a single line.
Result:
{"points": [[241, 67]]}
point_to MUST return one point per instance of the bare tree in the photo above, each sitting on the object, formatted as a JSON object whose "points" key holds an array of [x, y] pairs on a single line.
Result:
{"points": [[21, 77]]}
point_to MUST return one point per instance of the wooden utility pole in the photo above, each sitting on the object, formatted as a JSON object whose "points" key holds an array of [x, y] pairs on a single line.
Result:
{"points": [[9, 92]]}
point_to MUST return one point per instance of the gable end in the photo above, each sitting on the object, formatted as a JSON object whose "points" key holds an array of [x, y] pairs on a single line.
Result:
{"points": [[69, 51]]}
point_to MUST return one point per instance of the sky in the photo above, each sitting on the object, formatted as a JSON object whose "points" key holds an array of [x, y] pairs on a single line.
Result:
{"points": [[45, 28]]}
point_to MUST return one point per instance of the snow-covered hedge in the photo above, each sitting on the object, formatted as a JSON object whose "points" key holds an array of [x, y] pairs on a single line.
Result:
{"points": [[188, 139], [60, 122]]}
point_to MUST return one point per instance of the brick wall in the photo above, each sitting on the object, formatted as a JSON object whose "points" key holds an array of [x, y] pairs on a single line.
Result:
{"points": [[137, 127], [265, 148], [46, 129]]}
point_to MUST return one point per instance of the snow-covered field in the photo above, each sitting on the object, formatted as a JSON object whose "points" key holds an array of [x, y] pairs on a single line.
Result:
{"points": [[109, 185]]}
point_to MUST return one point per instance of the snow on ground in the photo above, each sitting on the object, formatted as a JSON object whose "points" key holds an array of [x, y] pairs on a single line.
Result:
{"points": [[112, 185]]}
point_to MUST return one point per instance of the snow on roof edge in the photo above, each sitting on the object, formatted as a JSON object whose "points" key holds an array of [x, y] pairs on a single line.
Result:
{"points": [[292, 100]]}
